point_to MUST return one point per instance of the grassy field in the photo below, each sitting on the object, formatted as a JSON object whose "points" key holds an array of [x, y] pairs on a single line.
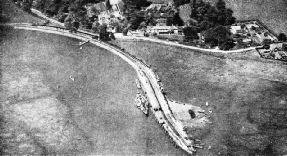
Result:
{"points": [[271, 13], [245, 94]]}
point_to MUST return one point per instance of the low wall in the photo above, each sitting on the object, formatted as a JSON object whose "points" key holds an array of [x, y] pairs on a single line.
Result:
{"points": [[261, 24], [172, 37]]}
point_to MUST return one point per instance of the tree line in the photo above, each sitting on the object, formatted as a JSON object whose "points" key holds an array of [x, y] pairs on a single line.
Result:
{"points": [[211, 22]]}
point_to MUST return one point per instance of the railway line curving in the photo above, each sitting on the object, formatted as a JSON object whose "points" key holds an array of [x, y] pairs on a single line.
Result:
{"points": [[147, 77]]}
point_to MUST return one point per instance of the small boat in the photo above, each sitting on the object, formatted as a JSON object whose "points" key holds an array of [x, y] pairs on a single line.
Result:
{"points": [[138, 84], [142, 103]]}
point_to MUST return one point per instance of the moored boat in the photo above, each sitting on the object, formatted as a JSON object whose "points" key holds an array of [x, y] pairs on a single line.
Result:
{"points": [[142, 103]]}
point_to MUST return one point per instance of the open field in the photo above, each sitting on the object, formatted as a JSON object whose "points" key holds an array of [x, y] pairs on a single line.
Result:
{"points": [[247, 95], [271, 13]]}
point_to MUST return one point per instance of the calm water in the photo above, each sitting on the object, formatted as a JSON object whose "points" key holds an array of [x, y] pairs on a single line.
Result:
{"points": [[100, 99]]}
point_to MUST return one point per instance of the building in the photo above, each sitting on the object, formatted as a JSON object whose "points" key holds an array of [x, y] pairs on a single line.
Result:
{"points": [[160, 1], [247, 40], [104, 15], [274, 46], [234, 29], [163, 29], [284, 47], [117, 7], [262, 39], [161, 22]]}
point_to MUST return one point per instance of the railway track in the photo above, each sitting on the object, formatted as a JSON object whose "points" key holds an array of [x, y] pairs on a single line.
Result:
{"points": [[148, 78]]}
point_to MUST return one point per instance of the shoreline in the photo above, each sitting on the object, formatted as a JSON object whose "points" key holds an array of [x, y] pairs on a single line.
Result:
{"points": [[147, 78]]}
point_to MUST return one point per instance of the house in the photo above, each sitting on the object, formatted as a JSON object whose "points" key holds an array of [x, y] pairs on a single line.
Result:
{"points": [[284, 47], [117, 7], [252, 26], [266, 42], [241, 32], [260, 38], [234, 28], [274, 46], [160, 1], [247, 40], [103, 14], [163, 29], [161, 22]]}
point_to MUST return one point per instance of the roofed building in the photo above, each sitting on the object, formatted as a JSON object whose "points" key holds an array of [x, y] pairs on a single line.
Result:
{"points": [[103, 14], [163, 29], [160, 1]]}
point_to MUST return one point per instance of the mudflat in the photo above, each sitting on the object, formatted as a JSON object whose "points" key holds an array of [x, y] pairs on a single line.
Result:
{"points": [[246, 95]]}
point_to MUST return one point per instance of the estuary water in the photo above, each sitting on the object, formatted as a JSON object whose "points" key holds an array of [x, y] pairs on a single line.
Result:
{"points": [[96, 89]]}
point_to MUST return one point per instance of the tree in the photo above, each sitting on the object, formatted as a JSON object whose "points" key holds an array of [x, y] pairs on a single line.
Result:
{"points": [[177, 3], [217, 36], [76, 25], [220, 5], [143, 25], [103, 34], [229, 17], [210, 38], [194, 13], [108, 5], [193, 4], [135, 4], [191, 22], [68, 22], [190, 33], [27, 5], [169, 22], [221, 33], [125, 31], [212, 15], [96, 27], [282, 37], [176, 20], [204, 25], [136, 19], [227, 44]]}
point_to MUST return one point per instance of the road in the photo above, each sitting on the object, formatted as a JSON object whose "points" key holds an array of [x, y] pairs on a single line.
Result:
{"points": [[130, 37]]}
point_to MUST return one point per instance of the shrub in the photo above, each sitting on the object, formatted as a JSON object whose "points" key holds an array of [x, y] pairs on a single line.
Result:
{"points": [[282, 37]]}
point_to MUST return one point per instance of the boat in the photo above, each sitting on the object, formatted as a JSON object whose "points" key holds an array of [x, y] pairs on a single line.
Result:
{"points": [[142, 103], [138, 84]]}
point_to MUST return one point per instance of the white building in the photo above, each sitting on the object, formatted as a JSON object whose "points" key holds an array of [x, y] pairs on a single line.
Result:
{"points": [[234, 29], [103, 14], [162, 29]]}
